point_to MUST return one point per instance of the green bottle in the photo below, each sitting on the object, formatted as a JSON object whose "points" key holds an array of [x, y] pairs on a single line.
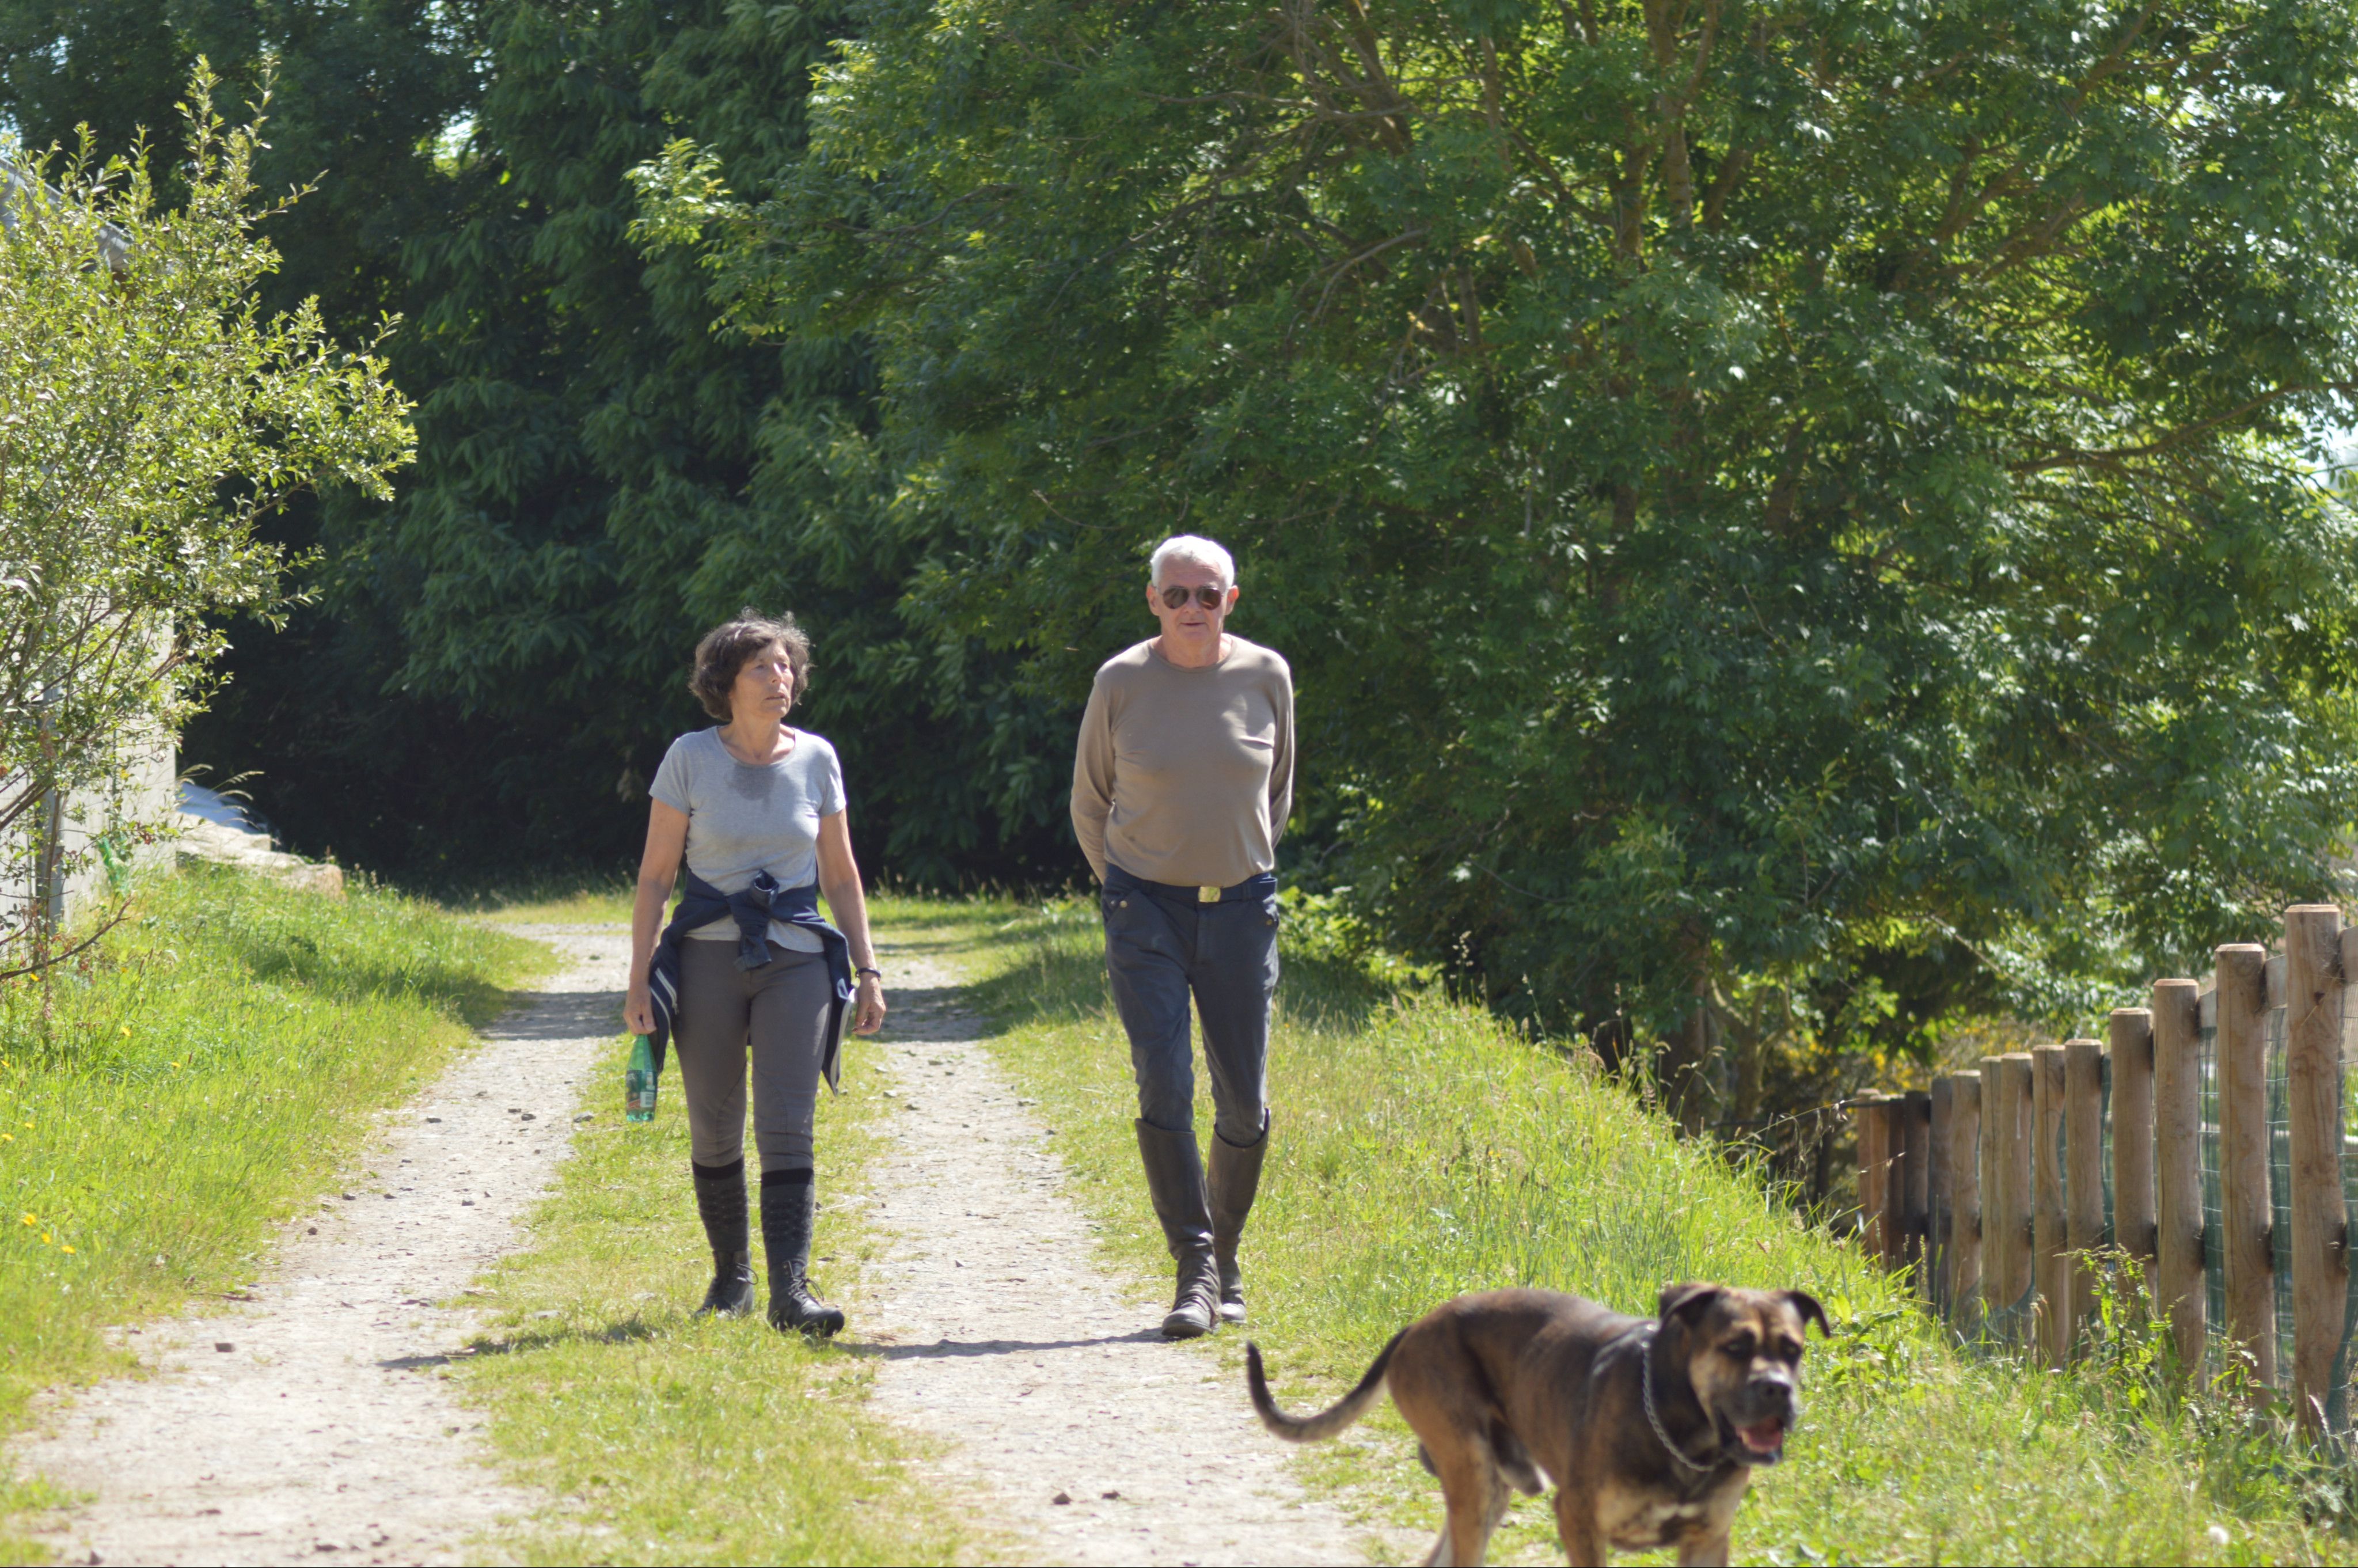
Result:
{"points": [[639, 1082]]}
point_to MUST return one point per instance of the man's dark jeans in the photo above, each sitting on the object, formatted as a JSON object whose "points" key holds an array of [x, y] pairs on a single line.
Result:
{"points": [[1159, 950]]}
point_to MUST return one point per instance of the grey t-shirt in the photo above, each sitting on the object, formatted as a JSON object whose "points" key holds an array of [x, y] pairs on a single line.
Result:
{"points": [[743, 819]]}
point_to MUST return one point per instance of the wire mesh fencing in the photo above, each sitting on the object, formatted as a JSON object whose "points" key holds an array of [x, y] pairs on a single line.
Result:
{"points": [[2230, 1187]]}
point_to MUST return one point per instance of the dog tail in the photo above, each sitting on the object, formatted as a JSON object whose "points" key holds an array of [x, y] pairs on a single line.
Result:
{"points": [[1328, 1422]]}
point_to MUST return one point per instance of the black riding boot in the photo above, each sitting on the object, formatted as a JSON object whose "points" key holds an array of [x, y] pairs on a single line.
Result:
{"points": [[789, 1206], [1174, 1180], [1236, 1177], [720, 1203]]}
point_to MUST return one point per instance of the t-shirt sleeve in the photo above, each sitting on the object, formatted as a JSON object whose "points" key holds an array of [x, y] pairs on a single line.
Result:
{"points": [[1281, 770], [1093, 779], [672, 786], [829, 783]]}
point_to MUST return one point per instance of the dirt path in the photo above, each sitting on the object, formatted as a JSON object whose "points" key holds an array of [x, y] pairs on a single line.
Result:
{"points": [[1097, 1441], [307, 1424]]}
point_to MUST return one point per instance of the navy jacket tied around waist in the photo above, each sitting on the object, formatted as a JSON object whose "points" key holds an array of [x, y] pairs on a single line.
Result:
{"points": [[701, 903]]}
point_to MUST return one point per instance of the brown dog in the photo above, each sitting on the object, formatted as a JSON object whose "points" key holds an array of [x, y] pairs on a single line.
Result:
{"points": [[1519, 1387]]}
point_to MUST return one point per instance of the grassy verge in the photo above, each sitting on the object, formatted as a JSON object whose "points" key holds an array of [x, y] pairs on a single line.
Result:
{"points": [[1423, 1151], [681, 1441], [206, 1068]]}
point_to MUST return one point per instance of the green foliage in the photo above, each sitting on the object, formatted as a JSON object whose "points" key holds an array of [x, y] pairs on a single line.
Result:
{"points": [[1793, 520], [487, 670], [605, 476], [1785, 492], [149, 415], [181, 1089]]}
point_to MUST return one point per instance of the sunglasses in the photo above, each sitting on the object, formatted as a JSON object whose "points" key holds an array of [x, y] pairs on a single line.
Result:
{"points": [[1209, 597]]}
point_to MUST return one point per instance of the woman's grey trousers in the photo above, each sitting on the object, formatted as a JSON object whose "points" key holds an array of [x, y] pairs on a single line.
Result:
{"points": [[779, 1012]]}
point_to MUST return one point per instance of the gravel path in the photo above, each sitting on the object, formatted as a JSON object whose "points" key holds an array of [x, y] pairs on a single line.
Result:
{"points": [[307, 1422], [1097, 1440]]}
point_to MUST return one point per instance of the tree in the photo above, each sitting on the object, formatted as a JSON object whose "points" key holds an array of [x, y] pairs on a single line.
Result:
{"points": [[150, 414], [1790, 517], [490, 665]]}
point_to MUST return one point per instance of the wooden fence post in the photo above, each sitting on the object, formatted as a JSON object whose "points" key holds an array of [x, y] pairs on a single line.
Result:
{"points": [[2179, 1287], [1939, 1209], [2244, 1212], [1892, 1109], [2050, 1261], [2320, 1219], [1873, 1170], [1964, 1258], [1916, 1161], [2008, 1237], [2131, 1030], [2083, 1182], [1993, 1173]]}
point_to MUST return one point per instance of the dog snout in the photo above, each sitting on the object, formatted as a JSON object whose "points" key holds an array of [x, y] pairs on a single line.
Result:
{"points": [[1771, 1394]]}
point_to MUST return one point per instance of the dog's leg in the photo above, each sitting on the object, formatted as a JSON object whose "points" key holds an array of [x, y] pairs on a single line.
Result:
{"points": [[1473, 1496], [1707, 1554], [1575, 1526], [1705, 1551]]}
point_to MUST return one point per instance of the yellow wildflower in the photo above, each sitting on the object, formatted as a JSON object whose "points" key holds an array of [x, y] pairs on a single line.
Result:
{"points": [[28, 1220], [67, 1247]]}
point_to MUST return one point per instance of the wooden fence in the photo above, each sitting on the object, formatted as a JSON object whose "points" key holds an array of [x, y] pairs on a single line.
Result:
{"points": [[2206, 1139]]}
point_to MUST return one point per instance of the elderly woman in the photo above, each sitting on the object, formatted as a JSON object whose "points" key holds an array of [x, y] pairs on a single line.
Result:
{"points": [[756, 808]]}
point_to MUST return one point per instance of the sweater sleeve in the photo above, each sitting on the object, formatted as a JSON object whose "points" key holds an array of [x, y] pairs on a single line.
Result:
{"points": [[1093, 780], [1281, 765]]}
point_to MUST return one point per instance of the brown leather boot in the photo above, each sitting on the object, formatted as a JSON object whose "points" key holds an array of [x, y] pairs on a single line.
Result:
{"points": [[1236, 1178], [1174, 1180]]}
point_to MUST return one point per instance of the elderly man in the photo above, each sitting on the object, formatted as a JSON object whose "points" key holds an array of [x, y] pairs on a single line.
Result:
{"points": [[1181, 786]]}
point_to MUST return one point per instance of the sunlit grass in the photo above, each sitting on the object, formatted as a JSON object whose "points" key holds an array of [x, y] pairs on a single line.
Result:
{"points": [[1425, 1150], [209, 1066], [679, 1441], [591, 902]]}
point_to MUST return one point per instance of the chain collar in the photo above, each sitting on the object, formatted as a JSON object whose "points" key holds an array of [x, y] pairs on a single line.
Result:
{"points": [[1646, 1384]]}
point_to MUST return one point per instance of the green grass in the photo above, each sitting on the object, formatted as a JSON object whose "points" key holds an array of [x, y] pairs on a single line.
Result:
{"points": [[168, 1098], [597, 901], [680, 1441], [1423, 1150]]}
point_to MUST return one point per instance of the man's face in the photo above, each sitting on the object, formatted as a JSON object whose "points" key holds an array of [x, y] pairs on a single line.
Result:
{"points": [[1193, 623]]}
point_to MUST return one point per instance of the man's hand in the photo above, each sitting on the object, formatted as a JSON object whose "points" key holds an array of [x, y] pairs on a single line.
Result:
{"points": [[871, 1006]]}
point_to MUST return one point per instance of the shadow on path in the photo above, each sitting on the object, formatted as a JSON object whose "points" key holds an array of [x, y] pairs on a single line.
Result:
{"points": [[946, 1348]]}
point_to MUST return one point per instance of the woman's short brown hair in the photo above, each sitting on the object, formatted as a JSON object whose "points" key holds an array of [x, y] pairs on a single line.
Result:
{"points": [[723, 652]]}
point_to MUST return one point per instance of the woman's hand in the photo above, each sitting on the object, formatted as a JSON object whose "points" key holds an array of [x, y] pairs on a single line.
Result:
{"points": [[639, 1010], [871, 1006]]}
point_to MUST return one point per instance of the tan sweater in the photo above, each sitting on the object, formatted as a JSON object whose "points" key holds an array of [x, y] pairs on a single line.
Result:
{"points": [[1182, 775]]}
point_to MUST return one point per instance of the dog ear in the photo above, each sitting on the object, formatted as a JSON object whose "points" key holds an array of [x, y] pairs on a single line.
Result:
{"points": [[1807, 1306], [1687, 1302]]}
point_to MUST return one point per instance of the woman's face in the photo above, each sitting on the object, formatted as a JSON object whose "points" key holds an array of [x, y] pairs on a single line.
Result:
{"points": [[765, 685]]}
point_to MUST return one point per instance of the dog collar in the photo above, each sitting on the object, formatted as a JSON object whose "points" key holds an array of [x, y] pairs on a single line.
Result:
{"points": [[1646, 1389]]}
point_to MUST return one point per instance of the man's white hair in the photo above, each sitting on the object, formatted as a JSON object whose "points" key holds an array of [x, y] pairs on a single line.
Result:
{"points": [[1193, 549]]}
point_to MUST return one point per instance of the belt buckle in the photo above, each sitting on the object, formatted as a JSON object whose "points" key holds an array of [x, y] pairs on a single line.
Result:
{"points": [[1207, 895]]}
